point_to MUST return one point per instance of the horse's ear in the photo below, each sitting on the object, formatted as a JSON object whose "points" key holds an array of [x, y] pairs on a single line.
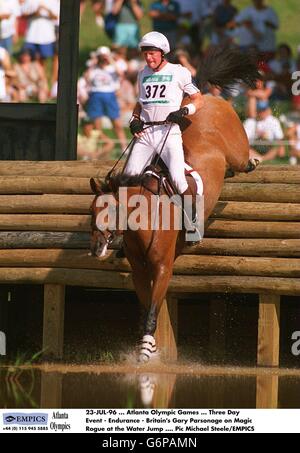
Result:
{"points": [[95, 186]]}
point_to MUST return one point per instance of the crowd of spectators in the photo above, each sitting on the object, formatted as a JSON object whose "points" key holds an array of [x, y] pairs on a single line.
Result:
{"points": [[107, 88], [35, 24]]}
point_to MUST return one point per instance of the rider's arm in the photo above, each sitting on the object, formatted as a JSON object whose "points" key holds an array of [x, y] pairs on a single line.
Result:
{"points": [[136, 125], [137, 110], [195, 100]]}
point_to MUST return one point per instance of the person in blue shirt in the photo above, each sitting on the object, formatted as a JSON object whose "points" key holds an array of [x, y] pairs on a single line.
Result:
{"points": [[164, 15]]}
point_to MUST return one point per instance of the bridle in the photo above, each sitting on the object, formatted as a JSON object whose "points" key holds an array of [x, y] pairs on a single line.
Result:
{"points": [[107, 236]]}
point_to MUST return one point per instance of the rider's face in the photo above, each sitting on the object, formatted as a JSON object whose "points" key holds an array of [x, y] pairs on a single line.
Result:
{"points": [[152, 58]]}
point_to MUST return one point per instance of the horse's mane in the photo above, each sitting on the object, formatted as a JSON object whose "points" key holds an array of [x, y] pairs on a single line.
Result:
{"points": [[121, 180]]}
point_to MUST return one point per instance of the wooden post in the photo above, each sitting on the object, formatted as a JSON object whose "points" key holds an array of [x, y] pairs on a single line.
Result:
{"points": [[166, 332], [5, 295], [51, 390], [217, 328], [67, 111], [53, 332], [268, 330], [266, 392]]}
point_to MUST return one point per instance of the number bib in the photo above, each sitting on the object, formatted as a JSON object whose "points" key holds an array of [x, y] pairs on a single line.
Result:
{"points": [[162, 92]]}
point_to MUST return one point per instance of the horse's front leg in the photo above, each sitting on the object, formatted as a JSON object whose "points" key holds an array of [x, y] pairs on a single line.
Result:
{"points": [[161, 278], [142, 286]]}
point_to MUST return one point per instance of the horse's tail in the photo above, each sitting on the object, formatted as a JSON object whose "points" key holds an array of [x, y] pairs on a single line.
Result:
{"points": [[224, 67]]}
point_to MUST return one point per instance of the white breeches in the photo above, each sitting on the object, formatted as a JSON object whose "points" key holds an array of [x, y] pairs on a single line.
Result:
{"points": [[172, 153]]}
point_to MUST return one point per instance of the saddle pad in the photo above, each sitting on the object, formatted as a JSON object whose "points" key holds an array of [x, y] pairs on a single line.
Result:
{"points": [[196, 177]]}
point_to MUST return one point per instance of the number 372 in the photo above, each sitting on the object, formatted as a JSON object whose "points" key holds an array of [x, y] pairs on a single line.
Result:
{"points": [[154, 91]]}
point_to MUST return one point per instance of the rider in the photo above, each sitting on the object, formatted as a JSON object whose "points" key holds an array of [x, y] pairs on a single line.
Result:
{"points": [[162, 86]]}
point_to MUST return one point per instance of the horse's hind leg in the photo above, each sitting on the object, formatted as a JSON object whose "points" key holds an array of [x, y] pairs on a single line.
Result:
{"points": [[142, 286], [252, 164]]}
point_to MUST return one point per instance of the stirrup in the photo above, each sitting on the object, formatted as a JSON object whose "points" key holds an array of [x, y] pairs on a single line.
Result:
{"points": [[193, 237]]}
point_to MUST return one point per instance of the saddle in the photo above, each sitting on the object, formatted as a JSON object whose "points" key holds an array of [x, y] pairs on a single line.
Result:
{"points": [[157, 177]]}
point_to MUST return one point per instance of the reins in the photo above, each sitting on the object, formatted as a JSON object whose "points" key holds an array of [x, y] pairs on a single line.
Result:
{"points": [[131, 143]]}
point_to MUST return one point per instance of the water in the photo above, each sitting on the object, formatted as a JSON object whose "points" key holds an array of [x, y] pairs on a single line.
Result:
{"points": [[120, 386]]}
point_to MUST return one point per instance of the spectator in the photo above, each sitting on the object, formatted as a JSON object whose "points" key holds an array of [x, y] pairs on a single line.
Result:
{"points": [[208, 8], [267, 130], [82, 95], [40, 36], [82, 7], [223, 15], [164, 15], [293, 135], [127, 99], [120, 60], [103, 83], [31, 80], [54, 79], [98, 7], [9, 12], [259, 95], [127, 31], [281, 70], [256, 27], [93, 144], [6, 73], [181, 56], [191, 13]]}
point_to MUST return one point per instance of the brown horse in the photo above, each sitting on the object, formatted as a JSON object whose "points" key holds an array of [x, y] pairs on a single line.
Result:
{"points": [[214, 141]]}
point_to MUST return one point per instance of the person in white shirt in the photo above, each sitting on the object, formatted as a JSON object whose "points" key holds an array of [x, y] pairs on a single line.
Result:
{"points": [[9, 11], [103, 82], [161, 89], [263, 134], [257, 27], [293, 135], [189, 22], [40, 36], [6, 71]]}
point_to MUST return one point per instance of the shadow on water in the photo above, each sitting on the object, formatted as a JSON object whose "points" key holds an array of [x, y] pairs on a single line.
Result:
{"points": [[120, 387]]}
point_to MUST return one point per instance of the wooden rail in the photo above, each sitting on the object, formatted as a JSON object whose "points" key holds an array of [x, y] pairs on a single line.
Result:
{"points": [[252, 245]]}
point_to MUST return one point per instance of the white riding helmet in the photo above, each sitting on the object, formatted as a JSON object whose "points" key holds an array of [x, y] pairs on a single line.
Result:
{"points": [[155, 39]]}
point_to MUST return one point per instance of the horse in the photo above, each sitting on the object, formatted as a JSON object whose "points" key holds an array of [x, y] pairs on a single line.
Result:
{"points": [[215, 143]]}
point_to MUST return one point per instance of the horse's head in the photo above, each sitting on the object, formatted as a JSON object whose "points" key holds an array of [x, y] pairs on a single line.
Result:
{"points": [[100, 237]]}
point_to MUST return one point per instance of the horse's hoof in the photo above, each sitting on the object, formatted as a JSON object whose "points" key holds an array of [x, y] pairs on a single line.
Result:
{"points": [[147, 348], [252, 164], [143, 358], [147, 386]]}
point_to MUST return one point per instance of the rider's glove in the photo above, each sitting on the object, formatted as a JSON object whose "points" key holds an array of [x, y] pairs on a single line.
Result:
{"points": [[136, 125], [176, 117]]}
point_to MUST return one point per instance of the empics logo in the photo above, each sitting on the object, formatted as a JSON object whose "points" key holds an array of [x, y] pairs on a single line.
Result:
{"points": [[19, 418]]}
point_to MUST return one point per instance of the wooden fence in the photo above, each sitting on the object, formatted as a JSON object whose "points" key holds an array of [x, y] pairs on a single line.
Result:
{"points": [[252, 245]]}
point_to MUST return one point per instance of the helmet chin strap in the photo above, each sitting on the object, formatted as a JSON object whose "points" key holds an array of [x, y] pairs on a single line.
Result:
{"points": [[161, 61]]}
